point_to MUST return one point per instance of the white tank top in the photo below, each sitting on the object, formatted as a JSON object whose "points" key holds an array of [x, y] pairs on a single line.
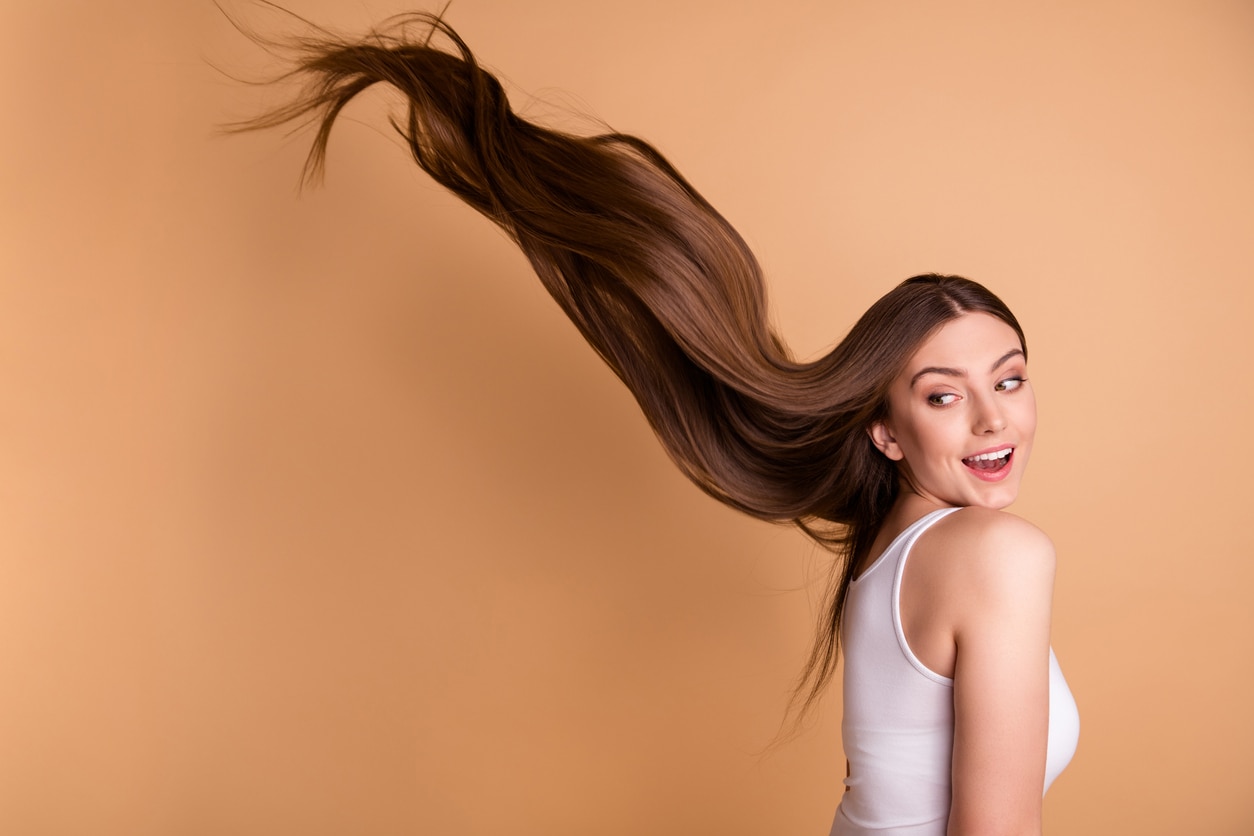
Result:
{"points": [[898, 726]]}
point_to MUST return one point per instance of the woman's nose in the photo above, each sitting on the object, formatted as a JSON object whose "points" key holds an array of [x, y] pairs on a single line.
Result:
{"points": [[989, 418]]}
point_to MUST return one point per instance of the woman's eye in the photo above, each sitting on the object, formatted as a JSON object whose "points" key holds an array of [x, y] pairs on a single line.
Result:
{"points": [[942, 400], [1009, 384]]}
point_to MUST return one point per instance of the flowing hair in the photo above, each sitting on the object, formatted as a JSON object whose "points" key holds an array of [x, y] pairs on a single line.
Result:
{"points": [[662, 287]]}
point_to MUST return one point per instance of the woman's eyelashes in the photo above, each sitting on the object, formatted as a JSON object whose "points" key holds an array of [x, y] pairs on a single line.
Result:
{"points": [[1008, 384]]}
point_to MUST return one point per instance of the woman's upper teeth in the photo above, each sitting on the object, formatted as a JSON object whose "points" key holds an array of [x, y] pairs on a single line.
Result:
{"points": [[986, 457]]}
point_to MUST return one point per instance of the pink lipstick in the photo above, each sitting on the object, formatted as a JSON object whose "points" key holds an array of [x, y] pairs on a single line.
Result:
{"points": [[991, 465]]}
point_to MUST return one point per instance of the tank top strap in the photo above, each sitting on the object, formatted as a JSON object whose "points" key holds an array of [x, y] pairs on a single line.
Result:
{"points": [[913, 532]]}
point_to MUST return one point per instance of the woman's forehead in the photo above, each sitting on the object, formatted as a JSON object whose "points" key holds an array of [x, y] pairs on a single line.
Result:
{"points": [[974, 340]]}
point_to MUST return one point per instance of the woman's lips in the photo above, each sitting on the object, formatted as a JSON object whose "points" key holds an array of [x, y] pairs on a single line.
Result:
{"points": [[991, 467]]}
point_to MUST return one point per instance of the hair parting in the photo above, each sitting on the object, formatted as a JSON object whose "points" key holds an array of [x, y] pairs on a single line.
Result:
{"points": [[660, 285]]}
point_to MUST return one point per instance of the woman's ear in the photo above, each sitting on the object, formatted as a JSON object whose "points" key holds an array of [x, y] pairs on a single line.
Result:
{"points": [[882, 437]]}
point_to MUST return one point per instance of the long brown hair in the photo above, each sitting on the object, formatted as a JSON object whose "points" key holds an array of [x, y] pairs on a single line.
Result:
{"points": [[662, 287]]}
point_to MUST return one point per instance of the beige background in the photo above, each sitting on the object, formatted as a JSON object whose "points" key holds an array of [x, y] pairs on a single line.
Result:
{"points": [[316, 517]]}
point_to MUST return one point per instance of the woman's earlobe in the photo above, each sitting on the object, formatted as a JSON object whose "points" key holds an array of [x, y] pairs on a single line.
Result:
{"points": [[884, 441]]}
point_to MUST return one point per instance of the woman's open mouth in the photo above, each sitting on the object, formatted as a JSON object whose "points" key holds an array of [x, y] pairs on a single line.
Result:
{"points": [[991, 466]]}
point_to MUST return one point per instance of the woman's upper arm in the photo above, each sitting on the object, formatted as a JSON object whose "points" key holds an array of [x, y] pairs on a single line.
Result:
{"points": [[1005, 581]]}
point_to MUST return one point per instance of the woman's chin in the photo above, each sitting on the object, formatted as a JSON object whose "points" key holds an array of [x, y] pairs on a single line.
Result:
{"points": [[997, 500]]}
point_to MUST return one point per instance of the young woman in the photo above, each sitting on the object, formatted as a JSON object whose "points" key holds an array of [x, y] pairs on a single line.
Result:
{"points": [[897, 450]]}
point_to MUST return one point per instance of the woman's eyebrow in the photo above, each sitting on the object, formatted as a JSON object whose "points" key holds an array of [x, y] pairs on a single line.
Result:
{"points": [[946, 370], [937, 370], [1011, 353]]}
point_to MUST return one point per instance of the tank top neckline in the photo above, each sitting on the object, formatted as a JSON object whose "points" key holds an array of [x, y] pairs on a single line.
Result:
{"points": [[922, 522]]}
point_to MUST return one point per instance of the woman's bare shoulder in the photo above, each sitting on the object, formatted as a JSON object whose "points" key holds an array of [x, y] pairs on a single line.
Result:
{"points": [[981, 546], [978, 526]]}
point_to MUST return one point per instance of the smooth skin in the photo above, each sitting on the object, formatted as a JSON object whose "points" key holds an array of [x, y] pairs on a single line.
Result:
{"points": [[978, 589]]}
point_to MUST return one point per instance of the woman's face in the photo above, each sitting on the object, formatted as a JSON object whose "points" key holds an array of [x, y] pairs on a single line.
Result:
{"points": [[962, 415]]}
